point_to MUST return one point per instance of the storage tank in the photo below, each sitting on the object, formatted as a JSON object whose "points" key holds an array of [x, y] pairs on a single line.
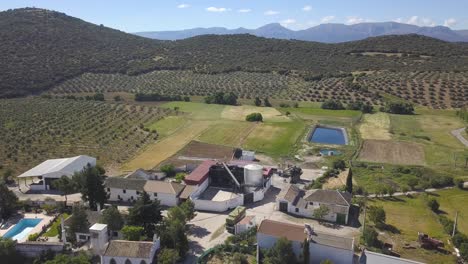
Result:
{"points": [[253, 175]]}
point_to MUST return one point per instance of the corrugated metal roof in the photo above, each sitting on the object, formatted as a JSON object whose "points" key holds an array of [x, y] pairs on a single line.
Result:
{"points": [[56, 168], [200, 174]]}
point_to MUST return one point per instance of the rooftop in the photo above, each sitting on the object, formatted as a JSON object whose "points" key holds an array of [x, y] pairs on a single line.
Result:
{"points": [[98, 227], [369, 257], [188, 190], [163, 187], [297, 233], [200, 174], [129, 249], [246, 220], [329, 196], [125, 183], [56, 168], [292, 193]]}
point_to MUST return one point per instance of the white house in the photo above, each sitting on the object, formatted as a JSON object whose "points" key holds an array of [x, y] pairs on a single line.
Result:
{"points": [[128, 190], [322, 246], [53, 169], [299, 202], [131, 252], [245, 224]]}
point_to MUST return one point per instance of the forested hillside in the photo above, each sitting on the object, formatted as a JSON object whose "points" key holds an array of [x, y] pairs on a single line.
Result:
{"points": [[40, 49]]}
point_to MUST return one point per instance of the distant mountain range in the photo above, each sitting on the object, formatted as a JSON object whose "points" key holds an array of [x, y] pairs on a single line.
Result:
{"points": [[327, 33]]}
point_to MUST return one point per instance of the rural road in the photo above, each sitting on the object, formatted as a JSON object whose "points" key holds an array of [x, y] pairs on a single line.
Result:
{"points": [[458, 134], [407, 193]]}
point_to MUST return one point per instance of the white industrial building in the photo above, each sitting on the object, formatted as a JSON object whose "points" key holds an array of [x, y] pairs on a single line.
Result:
{"points": [[53, 169], [322, 246], [304, 203], [219, 187], [128, 190]]}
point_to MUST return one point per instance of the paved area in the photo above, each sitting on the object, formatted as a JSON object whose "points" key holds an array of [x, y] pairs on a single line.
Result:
{"points": [[458, 134]]}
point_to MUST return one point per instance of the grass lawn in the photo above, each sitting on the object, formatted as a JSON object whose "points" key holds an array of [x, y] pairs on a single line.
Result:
{"points": [[228, 133], [54, 228], [239, 113], [452, 201], [276, 139], [410, 216], [309, 111], [375, 126], [168, 125]]}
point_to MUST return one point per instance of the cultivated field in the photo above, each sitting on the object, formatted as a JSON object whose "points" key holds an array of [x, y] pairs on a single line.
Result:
{"points": [[407, 217], [33, 130], [240, 112], [228, 133], [393, 152], [168, 125], [375, 126]]}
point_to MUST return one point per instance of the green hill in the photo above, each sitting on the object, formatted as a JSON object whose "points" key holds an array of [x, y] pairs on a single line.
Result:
{"points": [[40, 49]]}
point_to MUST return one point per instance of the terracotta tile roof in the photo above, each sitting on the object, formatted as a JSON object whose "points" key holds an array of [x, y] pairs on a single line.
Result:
{"points": [[200, 174], [163, 187], [129, 249], [292, 194], [188, 190], [329, 197], [279, 229], [246, 220], [125, 183], [297, 233]]}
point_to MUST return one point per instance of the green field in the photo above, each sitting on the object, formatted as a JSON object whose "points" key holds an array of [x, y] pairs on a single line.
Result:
{"points": [[199, 111], [408, 216], [228, 133], [167, 125]]}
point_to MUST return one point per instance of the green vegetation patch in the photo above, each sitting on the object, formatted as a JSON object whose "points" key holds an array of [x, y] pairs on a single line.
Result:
{"points": [[55, 227], [276, 139], [168, 125], [199, 111], [226, 133]]}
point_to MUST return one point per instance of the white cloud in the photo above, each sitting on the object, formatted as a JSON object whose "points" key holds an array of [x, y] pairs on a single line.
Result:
{"points": [[450, 22], [351, 20], [288, 22], [183, 6], [247, 10], [216, 9], [417, 21], [307, 8], [327, 19], [271, 13]]}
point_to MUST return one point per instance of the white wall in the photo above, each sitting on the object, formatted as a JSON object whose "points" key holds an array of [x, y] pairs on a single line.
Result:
{"points": [[319, 253], [34, 249], [121, 260], [165, 198], [266, 241], [309, 212], [126, 197], [200, 188], [213, 206]]}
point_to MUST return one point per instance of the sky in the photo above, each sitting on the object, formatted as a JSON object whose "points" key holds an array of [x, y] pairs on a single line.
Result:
{"points": [[157, 15]]}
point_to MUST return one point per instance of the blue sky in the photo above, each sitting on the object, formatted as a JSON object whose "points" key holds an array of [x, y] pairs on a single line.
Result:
{"points": [[148, 15]]}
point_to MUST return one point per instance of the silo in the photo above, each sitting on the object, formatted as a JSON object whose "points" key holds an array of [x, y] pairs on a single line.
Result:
{"points": [[253, 175]]}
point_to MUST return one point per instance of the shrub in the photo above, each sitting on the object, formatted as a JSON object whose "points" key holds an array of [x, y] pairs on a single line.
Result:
{"points": [[370, 237], [447, 224], [399, 108], [433, 205], [332, 105], [169, 169], [33, 237], [339, 164], [254, 117], [132, 233]]}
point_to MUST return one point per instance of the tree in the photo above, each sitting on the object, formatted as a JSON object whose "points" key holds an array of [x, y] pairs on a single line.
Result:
{"points": [[8, 253], [266, 102], [8, 201], [349, 181], [112, 218], [239, 258], [332, 105], [464, 250], [399, 108], [67, 259], [433, 205], [339, 164], [189, 210], [390, 191], [168, 256], [65, 185], [168, 169], [145, 213], [6, 177], [377, 214], [282, 252], [321, 212], [254, 117], [90, 182], [306, 251], [78, 222], [370, 237], [180, 177], [132, 233], [258, 101]]}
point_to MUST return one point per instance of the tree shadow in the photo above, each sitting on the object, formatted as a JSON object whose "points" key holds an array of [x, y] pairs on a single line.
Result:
{"points": [[198, 231], [390, 228]]}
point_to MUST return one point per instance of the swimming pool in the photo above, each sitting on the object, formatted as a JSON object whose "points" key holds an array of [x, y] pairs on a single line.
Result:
{"points": [[328, 135], [22, 228]]}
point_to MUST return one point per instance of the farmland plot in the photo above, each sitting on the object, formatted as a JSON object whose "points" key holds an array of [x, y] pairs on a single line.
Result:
{"points": [[33, 130], [393, 152]]}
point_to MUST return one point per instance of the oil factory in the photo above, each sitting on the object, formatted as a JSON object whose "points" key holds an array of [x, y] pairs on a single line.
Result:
{"points": [[219, 186]]}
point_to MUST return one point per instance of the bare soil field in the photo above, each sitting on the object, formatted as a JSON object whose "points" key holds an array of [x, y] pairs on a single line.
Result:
{"points": [[393, 152], [337, 182], [196, 149]]}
